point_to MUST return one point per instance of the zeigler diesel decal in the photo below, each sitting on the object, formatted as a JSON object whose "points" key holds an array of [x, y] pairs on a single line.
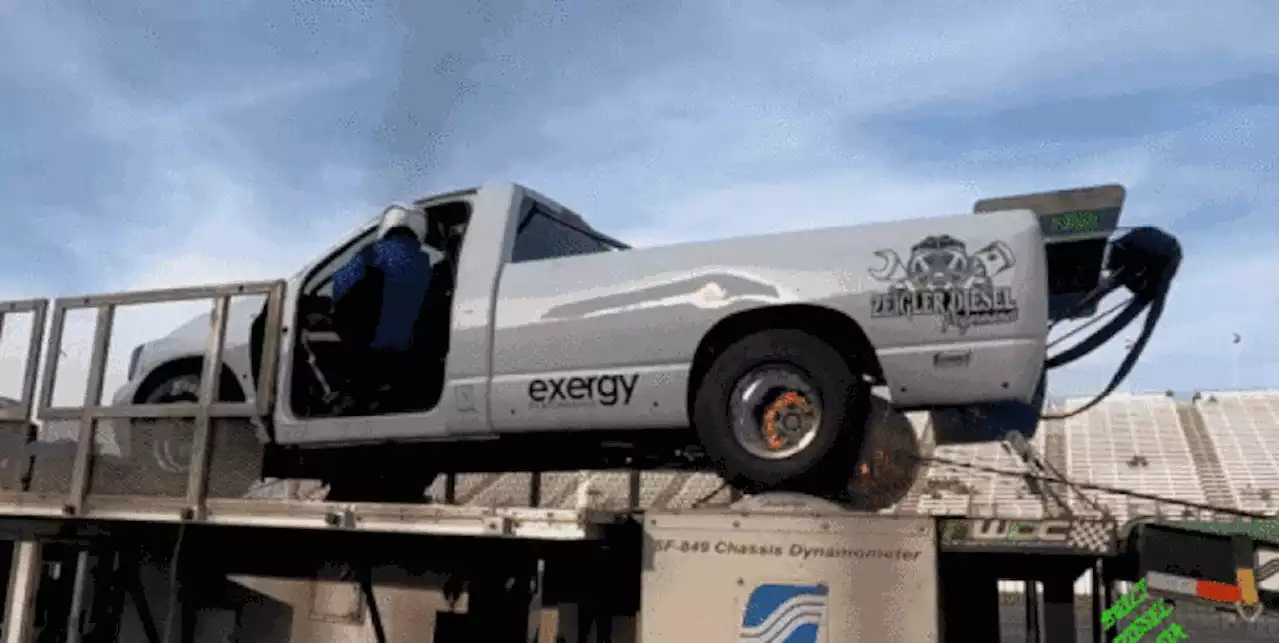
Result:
{"points": [[585, 390], [942, 279]]}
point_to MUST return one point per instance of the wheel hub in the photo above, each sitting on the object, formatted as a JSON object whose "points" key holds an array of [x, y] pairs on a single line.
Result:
{"points": [[776, 413], [173, 454], [169, 450], [786, 419]]}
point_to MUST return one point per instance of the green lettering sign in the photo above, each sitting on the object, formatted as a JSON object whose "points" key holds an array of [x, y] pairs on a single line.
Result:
{"points": [[1153, 617]]}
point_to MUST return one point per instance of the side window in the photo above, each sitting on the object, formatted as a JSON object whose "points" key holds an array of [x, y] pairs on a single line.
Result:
{"points": [[321, 281], [543, 236]]}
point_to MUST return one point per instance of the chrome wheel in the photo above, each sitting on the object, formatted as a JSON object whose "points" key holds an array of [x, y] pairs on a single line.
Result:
{"points": [[775, 412], [172, 454], [170, 445]]}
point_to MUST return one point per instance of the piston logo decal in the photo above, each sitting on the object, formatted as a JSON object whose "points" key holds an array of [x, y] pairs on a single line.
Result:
{"points": [[942, 279]]}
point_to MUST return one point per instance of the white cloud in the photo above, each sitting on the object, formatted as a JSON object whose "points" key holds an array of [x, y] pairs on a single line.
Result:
{"points": [[195, 217], [888, 61]]}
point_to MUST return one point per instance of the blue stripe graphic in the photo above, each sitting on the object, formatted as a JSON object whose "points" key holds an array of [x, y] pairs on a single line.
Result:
{"points": [[784, 614]]}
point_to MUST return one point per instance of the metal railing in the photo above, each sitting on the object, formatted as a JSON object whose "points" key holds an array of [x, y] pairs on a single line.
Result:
{"points": [[207, 407], [37, 308]]}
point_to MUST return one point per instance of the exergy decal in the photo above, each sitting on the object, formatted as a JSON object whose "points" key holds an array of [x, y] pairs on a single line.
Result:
{"points": [[561, 392], [942, 279], [784, 614]]}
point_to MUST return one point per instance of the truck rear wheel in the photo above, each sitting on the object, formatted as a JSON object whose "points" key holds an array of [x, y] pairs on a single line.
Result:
{"points": [[781, 409]]}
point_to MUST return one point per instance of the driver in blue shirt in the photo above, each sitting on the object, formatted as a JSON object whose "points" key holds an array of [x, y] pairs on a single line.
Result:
{"points": [[391, 276]]}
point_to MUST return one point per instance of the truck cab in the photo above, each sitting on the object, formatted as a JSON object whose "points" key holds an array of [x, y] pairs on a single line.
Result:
{"points": [[481, 237]]}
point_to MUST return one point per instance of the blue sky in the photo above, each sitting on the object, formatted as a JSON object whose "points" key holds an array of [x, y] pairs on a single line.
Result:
{"points": [[149, 144]]}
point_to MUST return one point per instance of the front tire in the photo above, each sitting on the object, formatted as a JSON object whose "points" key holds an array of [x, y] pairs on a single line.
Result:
{"points": [[164, 444], [782, 410], [236, 462]]}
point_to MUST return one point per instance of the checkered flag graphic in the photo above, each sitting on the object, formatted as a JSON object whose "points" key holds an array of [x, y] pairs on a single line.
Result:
{"points": [[1093, 537], [1269, 570]]}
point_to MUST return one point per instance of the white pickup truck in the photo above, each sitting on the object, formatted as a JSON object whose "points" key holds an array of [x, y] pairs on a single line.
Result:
{"points": [[547, 345]]}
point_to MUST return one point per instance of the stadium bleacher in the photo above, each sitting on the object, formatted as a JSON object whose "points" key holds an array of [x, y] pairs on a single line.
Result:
{"points": [[1136, 443], [958, 490], [1242, 427]]}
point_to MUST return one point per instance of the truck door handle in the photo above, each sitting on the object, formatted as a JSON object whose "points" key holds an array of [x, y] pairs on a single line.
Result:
{"points": [[952, 359]]}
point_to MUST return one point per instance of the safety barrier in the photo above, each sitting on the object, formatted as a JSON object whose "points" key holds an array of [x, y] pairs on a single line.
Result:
{"points": [[37, 308], [203, 412]]}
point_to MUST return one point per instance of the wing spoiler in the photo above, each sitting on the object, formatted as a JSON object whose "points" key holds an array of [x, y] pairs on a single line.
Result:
{"points": [[1077, 226]]}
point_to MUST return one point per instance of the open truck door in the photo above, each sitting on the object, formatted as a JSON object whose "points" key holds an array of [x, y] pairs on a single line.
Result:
{"points": [[440, 385], [315, 368]]}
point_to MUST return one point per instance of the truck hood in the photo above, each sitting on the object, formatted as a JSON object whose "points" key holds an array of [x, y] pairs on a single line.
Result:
{"points": [[191, 338], [240, 316]]}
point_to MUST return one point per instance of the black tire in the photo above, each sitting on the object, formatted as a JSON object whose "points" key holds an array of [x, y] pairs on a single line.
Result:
{"points": [[166, 446], [369, 486], [826, 462]]}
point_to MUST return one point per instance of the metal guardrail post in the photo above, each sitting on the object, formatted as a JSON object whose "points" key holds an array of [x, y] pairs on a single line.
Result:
{"points": [[202, 440], [21, 412], [451, 488], [92, 398], [265, 396], [633, 489], [31, 372], [17, 431], [535, 489], [24, 581], [16, 428], [79, 590], [54, 348]]}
